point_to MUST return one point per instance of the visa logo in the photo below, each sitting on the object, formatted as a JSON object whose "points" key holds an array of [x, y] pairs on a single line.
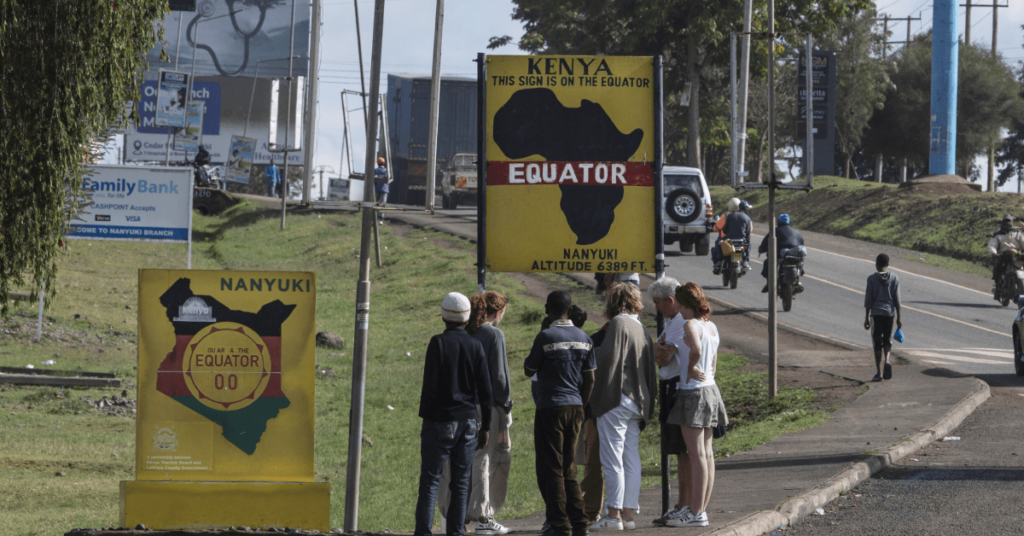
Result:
{"points": [[133, 218]]}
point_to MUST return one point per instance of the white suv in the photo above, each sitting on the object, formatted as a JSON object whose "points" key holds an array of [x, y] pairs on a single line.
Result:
{"points": [[687, 214]]}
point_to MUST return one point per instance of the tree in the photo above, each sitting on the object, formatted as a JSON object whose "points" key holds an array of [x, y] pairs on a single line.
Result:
{"points": [[672, 28], [69, 69], [988, 99], [1011, 153]]}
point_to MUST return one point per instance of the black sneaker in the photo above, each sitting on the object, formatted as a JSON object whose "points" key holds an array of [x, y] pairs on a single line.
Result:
{"points": [[718, 269], [798, 288], [764, 290]]}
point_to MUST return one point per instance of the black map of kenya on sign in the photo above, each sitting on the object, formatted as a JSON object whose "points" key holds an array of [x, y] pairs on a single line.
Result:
{"points": [[534, 122]]}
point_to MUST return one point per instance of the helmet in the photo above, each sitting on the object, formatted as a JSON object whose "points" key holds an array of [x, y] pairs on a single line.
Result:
{"points": [[784, 218], [734, 204], [380, 160], [744, 205], [1008, 218]]}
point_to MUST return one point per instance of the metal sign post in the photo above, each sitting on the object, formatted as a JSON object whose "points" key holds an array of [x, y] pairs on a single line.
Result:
{"points": [[355, 428]]}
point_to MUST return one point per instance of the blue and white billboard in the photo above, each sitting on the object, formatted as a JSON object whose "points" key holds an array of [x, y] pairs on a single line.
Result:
{"points": [[137, 203]]}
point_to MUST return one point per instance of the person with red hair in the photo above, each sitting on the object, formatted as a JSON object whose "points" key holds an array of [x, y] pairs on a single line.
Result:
{"points": [[696, 408]]}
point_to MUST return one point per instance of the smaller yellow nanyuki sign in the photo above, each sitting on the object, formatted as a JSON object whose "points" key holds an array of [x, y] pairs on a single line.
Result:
{"points": [[570, 153], [226, 397]]}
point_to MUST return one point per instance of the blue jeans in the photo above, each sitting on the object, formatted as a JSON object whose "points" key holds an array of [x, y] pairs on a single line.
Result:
{"points": [[454, 441]]}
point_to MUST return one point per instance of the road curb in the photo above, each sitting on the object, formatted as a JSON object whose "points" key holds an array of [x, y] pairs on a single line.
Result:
{"points": [[796, 508]]}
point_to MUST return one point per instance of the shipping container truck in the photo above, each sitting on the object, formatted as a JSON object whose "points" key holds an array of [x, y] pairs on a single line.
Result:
{"points": [[408, 110]]}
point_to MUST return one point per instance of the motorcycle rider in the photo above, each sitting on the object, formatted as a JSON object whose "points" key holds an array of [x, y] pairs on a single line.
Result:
{"points": [[719, 227], [199, 172], [1005, 243], [737, 227], [785, 237]]}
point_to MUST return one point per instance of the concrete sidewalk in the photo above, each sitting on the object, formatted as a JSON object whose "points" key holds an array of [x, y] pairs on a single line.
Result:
{"points": [[789, 477]]}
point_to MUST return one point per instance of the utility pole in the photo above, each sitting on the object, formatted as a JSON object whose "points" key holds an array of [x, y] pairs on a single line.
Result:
{"points": [[321, 169], [355, 426], [967, 21], [773, 271], [435, 102], [909, 19], [945, 58], [314, 82], [741, 113]]}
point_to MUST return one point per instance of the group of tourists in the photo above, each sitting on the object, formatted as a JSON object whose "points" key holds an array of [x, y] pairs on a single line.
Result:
{"points": [[602, 386]]}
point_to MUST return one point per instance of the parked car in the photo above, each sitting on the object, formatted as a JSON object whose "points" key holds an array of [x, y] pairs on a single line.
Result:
{"points": [[688, 215]]}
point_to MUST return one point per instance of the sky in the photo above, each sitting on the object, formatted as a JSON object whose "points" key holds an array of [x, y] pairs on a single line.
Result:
{"points": [[468, 24]]}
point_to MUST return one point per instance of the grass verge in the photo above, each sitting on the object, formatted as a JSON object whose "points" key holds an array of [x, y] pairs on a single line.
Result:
{"points": [[61, 459]]}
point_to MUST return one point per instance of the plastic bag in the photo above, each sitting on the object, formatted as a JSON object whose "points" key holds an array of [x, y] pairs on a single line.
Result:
{"points": [[898, 336]]}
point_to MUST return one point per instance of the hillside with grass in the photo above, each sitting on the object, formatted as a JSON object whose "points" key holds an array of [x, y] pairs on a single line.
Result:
{"points": [[948, 220], [62, 453]]}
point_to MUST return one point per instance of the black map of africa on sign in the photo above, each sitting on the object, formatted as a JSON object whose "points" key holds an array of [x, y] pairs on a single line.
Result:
{"points": [[533, 121]]}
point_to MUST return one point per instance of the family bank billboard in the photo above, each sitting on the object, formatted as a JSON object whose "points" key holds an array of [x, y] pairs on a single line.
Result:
{"points": [[137, 203], [570, 163]]}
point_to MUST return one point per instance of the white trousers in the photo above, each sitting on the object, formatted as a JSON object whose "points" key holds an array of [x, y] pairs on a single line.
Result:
{"points": [[618, 432]]}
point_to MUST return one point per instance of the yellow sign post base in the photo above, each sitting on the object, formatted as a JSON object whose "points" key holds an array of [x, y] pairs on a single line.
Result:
{"points": [[219, 505]]}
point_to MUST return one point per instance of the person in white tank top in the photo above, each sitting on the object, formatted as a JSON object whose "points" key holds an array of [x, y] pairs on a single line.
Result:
{"points": [[697, 401]]}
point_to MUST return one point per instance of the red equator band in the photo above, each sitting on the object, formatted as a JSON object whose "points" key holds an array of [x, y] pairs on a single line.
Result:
{"points": [[503, 173]]}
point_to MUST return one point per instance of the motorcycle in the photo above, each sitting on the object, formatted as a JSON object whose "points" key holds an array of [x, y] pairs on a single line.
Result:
{"points": [[733, 267], [1010, 279], [205, 175], [791, 265]]}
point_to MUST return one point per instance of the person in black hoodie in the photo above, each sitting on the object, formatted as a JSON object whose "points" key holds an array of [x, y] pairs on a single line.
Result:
{"points": [[786, 237], [455, 380], [881, 306]]}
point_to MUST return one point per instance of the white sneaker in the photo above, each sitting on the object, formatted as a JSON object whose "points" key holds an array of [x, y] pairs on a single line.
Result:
{"points": [[491, 527], [629, 524], [689, 519], [608, 523]]}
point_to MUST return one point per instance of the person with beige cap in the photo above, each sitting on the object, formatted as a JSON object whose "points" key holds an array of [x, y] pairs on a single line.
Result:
{"points": [[455, 380]]}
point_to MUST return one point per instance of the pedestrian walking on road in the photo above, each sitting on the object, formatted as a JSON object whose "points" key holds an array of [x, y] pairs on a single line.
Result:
{"points": [[698, 401], [623, 402], [881, 307], [666, 355], [455, 381], [563, 359]]}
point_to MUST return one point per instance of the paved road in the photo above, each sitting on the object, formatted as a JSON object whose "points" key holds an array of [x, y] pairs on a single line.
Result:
{"points": [[947, 324], [955, 325]]}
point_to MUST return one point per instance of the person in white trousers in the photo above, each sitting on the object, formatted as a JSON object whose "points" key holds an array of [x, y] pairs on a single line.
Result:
{"points": [[624, 391]]}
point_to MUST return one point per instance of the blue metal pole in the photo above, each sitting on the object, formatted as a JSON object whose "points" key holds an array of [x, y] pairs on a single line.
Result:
{"points": [[945, 54]]}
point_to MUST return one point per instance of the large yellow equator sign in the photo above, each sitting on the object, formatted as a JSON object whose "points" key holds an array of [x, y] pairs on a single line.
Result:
{"points": [[226, 366], [570, 164]]}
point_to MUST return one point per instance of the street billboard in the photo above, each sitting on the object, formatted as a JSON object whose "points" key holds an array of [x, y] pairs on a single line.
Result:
{"points": [[152, 204], [226, 109], [188, 138], [170, 100], [232, 44], [570, 148], [239, 165], [823, 99]]}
